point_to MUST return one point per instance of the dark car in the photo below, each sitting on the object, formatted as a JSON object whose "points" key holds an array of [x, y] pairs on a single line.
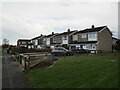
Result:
{"points": [[58, 51], [81, 50]]}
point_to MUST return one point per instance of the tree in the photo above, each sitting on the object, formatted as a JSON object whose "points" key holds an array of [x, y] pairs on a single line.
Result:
{"points": [[5, 43], [118, 45]]}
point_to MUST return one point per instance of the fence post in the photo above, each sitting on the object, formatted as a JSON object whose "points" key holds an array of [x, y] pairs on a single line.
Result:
{"points": [[25, 68], [20, 59], [28, 60]]}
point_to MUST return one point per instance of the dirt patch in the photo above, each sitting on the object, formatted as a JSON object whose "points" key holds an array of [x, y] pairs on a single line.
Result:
{"points": [[44, 64]]}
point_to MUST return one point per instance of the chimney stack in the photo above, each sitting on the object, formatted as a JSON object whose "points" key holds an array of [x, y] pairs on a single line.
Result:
{"points": [[41, 34], [52, 33], [93, 26], [68, 30]]}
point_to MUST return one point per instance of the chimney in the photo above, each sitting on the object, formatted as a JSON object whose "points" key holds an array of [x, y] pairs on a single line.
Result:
{"points": [[52, 33], [41, 34], [68, 30], [93, 26]]}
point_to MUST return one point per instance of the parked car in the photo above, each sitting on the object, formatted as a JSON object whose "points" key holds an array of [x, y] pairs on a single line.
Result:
{"points": [[81, 50], [61, 51]]}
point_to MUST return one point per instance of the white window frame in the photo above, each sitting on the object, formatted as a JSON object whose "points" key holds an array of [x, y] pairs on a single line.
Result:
{"points": [[83, 36], [75, 37], [92, 39], [65, 37], [23, 42]]}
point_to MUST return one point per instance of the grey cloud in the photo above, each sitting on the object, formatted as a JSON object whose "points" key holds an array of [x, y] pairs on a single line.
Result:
{"points": [[26, 20]]}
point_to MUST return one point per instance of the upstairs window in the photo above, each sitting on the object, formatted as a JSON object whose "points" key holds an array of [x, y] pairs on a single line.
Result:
{"points": [[65, 37], [84, 36], [92, 37], [23, 42], [75, 37]]}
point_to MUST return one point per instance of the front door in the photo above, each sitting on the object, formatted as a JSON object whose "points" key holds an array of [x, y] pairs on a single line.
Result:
{"points": [[81, 46]]}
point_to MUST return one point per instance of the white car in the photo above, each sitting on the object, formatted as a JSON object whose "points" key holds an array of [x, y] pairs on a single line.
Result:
{"points": [[61, 51]]}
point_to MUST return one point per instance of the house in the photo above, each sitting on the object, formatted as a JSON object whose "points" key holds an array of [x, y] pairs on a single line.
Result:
{"points": [[94, 38], [49, 40], [114, 43], [37, 42], [23, 43], [63, 39]]}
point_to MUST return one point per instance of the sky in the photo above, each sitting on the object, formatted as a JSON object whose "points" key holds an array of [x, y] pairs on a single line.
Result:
{"points": [[26, 19]]}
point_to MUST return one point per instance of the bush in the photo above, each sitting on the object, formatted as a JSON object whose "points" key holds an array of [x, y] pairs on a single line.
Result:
{"points": [[25, 50]]}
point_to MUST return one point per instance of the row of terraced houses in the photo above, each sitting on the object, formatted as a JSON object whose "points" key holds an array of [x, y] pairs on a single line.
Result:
{"points": [[93, 38]]}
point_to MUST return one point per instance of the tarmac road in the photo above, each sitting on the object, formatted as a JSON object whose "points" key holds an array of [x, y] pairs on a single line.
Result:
{"points": [[12, 75]]}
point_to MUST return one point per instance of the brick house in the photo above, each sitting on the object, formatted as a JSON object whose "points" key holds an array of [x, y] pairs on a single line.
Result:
{"points": [[94, 38], [23, 43]]}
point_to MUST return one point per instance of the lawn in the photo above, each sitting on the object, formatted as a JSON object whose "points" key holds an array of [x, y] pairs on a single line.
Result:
{"points": [[77, 72]]}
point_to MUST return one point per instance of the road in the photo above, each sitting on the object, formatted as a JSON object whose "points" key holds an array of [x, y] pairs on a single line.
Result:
{"points": [[12, 75]]}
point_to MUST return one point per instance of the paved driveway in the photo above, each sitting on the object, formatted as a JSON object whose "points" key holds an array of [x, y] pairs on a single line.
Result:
{"points": [[12, 76]]}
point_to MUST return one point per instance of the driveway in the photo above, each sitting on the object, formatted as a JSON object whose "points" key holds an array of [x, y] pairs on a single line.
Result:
{"points": [[12, 75]]}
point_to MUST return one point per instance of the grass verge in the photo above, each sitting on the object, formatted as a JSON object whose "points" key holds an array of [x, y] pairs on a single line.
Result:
{"points": [[78, 72]]}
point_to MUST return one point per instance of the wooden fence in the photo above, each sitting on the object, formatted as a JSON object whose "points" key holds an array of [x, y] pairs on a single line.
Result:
{"points": [[27, 62]]}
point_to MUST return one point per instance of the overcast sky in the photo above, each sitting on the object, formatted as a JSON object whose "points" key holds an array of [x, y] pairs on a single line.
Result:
{"points": [[30, 19]]}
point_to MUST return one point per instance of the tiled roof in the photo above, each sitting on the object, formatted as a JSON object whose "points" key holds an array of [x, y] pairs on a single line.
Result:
{"points": [[50, 35], [91, 30], [66, 33], [76, 42], [115, 38], [37, 37], [23, 40]]}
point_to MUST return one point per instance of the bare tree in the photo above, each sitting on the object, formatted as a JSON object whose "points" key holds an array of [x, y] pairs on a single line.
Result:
{"points": [[5, 43]]}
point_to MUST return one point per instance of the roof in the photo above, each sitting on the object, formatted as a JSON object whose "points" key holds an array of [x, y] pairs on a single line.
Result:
{"points": [[91, 30], [85, 42], [23, 39], [115, 38], [50, 35], [37, 37], [66, 33]]}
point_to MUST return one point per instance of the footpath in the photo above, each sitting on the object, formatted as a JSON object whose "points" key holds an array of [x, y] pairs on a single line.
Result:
{"points": [[12, 75]]}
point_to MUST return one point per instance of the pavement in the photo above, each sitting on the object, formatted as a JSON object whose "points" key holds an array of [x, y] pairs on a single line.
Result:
{"points": [[12, 75]]}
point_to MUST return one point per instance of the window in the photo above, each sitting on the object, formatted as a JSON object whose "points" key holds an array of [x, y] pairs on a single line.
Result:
{"points": [[89, 46], [65, 37], [23, 42], [75, 37], [84, 35], [92, 37]]}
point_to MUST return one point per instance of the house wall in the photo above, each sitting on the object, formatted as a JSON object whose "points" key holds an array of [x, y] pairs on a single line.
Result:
{"points": [[104, 40], [40, 41], [70, 39]]}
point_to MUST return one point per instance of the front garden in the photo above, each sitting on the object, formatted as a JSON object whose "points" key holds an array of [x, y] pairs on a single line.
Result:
{"points": [[93, 71]]}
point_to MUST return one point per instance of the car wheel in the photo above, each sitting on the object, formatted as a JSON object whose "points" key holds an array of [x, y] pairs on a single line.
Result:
{"points": [[55, 54], [68, 54]]}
